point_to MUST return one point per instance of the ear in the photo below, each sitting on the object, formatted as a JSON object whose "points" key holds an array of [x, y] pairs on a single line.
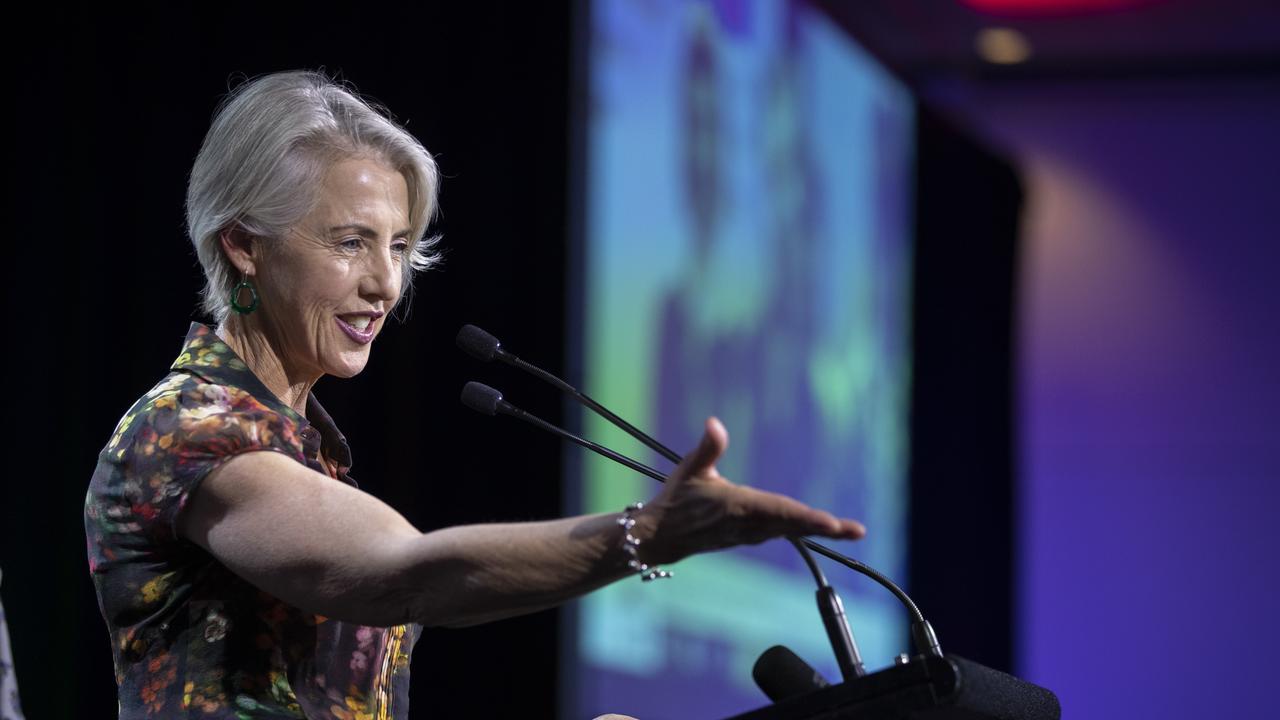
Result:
{"points": [[239, 247]]}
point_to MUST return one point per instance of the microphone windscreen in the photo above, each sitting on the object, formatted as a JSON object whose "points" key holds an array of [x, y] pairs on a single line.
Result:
{"points": [[983, 692], [781, 674], [481, 398], [477, 343]]}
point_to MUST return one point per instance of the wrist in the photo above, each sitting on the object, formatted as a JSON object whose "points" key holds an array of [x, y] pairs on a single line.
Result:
{"points": [[633, 540]]}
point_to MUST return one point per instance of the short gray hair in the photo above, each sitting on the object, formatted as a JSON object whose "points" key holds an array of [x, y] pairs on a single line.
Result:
{"points": [[264, 158]]}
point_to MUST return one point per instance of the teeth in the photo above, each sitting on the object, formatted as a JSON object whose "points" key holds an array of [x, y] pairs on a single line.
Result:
{"points": [[359, 323]]}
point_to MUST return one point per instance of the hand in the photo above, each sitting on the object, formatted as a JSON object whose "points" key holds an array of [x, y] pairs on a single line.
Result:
{"points": [[699, 510]]}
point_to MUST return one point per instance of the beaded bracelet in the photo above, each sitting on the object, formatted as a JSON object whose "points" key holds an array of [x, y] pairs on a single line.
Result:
{"points": [[631, 546]]}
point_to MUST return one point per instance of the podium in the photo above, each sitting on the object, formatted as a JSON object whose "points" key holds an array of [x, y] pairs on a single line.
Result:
{"points": [[925, 688]]}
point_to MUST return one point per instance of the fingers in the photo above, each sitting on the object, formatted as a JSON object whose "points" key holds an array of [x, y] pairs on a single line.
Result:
{"points": [[849, 530], [773, 515], [715, 439]]}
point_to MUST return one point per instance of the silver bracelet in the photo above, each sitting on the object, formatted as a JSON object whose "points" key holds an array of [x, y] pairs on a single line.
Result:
{"points": [[631, 546]]}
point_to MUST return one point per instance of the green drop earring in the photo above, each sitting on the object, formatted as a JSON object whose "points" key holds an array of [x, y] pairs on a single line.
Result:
{"points": [[235, 296]]}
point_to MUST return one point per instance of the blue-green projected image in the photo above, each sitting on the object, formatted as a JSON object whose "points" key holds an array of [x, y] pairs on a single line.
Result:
{"points": [[747, 255]]}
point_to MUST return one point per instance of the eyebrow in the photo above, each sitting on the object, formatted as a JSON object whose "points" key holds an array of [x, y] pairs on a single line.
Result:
{"points": [[364, 230]]}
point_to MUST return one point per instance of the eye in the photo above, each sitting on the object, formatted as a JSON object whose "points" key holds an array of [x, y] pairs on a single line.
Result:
{"points": [[352, 243], [400, 246]]}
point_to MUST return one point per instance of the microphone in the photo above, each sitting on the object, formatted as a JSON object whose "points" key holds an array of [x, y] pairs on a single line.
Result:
{"points": [[782, 675], [484, 399], [479, 344], [484, 346]]}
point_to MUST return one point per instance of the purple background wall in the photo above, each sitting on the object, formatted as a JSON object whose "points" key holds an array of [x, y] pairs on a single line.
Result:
{"points": [[1149, 390]]}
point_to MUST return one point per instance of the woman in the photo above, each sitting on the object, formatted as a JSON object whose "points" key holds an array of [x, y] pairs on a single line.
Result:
{"points": [[240, 572]]}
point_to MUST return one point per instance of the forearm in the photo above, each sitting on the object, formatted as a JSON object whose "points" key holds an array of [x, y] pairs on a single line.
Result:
{"points": [[453, 577], [476, 573]]}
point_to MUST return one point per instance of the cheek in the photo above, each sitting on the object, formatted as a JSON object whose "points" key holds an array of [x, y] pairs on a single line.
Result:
{"points": [[323, 290], [288, 285]]}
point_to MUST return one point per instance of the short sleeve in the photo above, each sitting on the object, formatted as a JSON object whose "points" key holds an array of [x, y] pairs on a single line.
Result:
{"points": [[179, 437]]}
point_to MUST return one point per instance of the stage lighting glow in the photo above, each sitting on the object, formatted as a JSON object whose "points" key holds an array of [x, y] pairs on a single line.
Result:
{"points": [[1002, 46]]}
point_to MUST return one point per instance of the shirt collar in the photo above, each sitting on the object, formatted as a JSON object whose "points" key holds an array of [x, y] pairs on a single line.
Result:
{"points": [[206, 355]]}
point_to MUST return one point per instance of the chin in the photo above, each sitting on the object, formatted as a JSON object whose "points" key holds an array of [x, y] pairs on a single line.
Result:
{"points": [[345, 372], [348, 367]]}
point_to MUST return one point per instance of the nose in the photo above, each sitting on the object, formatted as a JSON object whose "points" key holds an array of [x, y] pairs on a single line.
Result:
{"points": [[382, 278]]}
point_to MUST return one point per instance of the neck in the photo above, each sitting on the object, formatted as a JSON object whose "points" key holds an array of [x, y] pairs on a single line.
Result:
{"points": [[265, 356]]}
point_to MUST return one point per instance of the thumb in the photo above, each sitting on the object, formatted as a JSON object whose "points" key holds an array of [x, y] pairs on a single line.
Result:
{"points": [[715, 439]]}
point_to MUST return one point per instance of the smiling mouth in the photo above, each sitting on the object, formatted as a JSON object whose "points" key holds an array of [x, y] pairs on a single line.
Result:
{"points": [[359, 328], [359, 322]]}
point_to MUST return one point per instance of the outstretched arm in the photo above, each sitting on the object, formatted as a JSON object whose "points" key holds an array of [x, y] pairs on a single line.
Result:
{"points": [[334, 550]]}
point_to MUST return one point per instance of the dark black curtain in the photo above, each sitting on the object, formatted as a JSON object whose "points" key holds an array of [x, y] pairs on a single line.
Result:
{"points": [[108, 109], [963, 489]]}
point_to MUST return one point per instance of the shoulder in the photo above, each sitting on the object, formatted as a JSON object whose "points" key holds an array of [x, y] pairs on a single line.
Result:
{"points": [[171, 438], [184, 408]]}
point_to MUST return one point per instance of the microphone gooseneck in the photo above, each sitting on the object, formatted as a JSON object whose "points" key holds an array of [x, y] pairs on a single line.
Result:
{"points": [[834, 621], [486, 347]]}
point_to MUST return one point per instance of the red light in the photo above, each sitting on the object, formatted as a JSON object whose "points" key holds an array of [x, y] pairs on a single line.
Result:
{"points": [[1031, 8]]}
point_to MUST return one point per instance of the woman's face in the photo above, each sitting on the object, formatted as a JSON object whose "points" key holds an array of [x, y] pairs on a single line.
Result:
{"points": [[327, 286]]}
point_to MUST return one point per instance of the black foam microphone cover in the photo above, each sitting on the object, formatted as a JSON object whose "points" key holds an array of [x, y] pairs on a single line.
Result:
{"points": [[477, 343], [980, 692], [481, 398], [781, 674]]}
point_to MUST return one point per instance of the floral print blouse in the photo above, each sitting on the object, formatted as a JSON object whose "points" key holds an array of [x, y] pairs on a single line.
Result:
{"points": [[190, 638]]}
